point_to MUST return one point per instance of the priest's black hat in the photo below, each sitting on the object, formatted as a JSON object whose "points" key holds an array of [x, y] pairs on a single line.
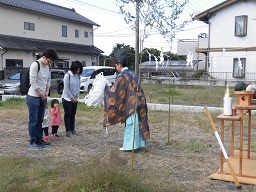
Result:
{"points": [[121, 57]]}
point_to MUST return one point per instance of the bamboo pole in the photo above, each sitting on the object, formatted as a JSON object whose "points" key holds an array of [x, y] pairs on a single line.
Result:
{"points": [[222, 148], [135, 113]]}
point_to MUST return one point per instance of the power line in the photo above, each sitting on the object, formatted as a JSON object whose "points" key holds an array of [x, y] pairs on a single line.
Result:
{"points": [[131, 34], [94, 6], [112, 31], [200, 8], [79, 2], [111, 34], [119, 35]]}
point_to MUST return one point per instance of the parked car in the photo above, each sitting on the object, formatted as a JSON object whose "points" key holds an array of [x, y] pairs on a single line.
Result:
{"points": [[90, 72], [57, 75], [11, 85]]}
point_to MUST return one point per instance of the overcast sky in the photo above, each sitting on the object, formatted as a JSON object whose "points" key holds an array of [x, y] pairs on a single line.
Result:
{"points": [[113, 29]]}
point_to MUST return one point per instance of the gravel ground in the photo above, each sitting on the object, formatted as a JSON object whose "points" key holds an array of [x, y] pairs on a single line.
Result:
{"points": [[189, 158]]}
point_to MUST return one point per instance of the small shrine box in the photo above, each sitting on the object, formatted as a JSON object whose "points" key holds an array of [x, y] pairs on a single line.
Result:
{"points": [[245, 97]]}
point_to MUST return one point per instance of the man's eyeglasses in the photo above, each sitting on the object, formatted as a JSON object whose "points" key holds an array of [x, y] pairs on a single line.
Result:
{"points": [[49, 61]]}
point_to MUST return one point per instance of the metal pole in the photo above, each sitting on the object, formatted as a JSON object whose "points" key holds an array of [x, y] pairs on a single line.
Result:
{"points": [[197, 52], [137, 42], [208, 49], [169, 109]]}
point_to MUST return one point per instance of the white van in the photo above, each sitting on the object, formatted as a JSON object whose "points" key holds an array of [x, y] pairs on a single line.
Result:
{"points": [[90, 72]]}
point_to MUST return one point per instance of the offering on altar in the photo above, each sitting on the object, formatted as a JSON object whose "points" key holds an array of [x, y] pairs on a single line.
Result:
{"points": [[227, 105]]}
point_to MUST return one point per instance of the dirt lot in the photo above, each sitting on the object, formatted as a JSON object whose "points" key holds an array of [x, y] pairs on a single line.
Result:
{"points": [[191, 155]]}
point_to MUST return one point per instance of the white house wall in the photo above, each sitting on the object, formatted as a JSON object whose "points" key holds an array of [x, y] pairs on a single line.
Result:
{"points": [[220, 62], [27, 59], [46, 27], [79, 57], [222, 26]]}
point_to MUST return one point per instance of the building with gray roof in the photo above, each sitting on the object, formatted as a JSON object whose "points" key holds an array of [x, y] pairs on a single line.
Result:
{"points": [[28, 27]]}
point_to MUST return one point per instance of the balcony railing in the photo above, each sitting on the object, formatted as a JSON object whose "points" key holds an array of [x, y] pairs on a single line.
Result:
{"points": [[222, 76]]}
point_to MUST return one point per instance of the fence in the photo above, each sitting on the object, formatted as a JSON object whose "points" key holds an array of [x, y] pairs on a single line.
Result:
{"points": [[200, 75]]}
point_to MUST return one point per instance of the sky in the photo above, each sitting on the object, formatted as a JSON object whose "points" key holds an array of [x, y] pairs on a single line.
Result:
{"points": [[113, 29]]}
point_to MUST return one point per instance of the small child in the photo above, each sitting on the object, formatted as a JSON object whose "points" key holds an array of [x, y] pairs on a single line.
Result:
{"points": [[46, 124], [55, 118]]}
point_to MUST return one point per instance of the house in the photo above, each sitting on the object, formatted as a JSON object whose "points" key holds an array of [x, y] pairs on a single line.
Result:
{"points": [[28, 27], [186, 47], [231, 45]]}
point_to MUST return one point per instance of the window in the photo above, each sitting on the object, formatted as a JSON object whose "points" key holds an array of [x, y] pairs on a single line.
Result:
{"points": [[99, 71], [93, 63], [241, 25], [14, 63], [54, 75], [108, 72], [64, 31], [239, 65], [76, 33], [84, 63], [86, 34], [29, 26], [57, 74], [60, 65], [66, 64], [16, 76]]}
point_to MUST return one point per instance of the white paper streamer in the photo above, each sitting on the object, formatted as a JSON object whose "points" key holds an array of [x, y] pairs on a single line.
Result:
{"points": [[168, 60], [214, 62], [162, 57], [96, 95], [221, 145], [156, 61], [240, 63], [149, 57], [190, 59]]}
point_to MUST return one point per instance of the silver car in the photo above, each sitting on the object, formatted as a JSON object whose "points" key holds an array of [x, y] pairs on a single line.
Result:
{"points": [[11, 86]]}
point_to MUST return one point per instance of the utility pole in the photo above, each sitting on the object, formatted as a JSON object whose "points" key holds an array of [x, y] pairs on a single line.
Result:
{"points": [[137, 41]]}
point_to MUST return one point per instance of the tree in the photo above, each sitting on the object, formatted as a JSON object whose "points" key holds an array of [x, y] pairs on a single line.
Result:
{"points": [[145, 56], [130, 54], [103, 60], [175, 56], [159, 14], [163, 15]]}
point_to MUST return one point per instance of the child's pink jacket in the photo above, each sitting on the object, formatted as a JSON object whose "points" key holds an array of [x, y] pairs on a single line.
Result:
{"points": [[55, 117]]}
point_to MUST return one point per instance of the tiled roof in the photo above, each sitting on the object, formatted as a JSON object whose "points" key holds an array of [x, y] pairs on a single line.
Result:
{"points": [[48, 9], [21, 43]]}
